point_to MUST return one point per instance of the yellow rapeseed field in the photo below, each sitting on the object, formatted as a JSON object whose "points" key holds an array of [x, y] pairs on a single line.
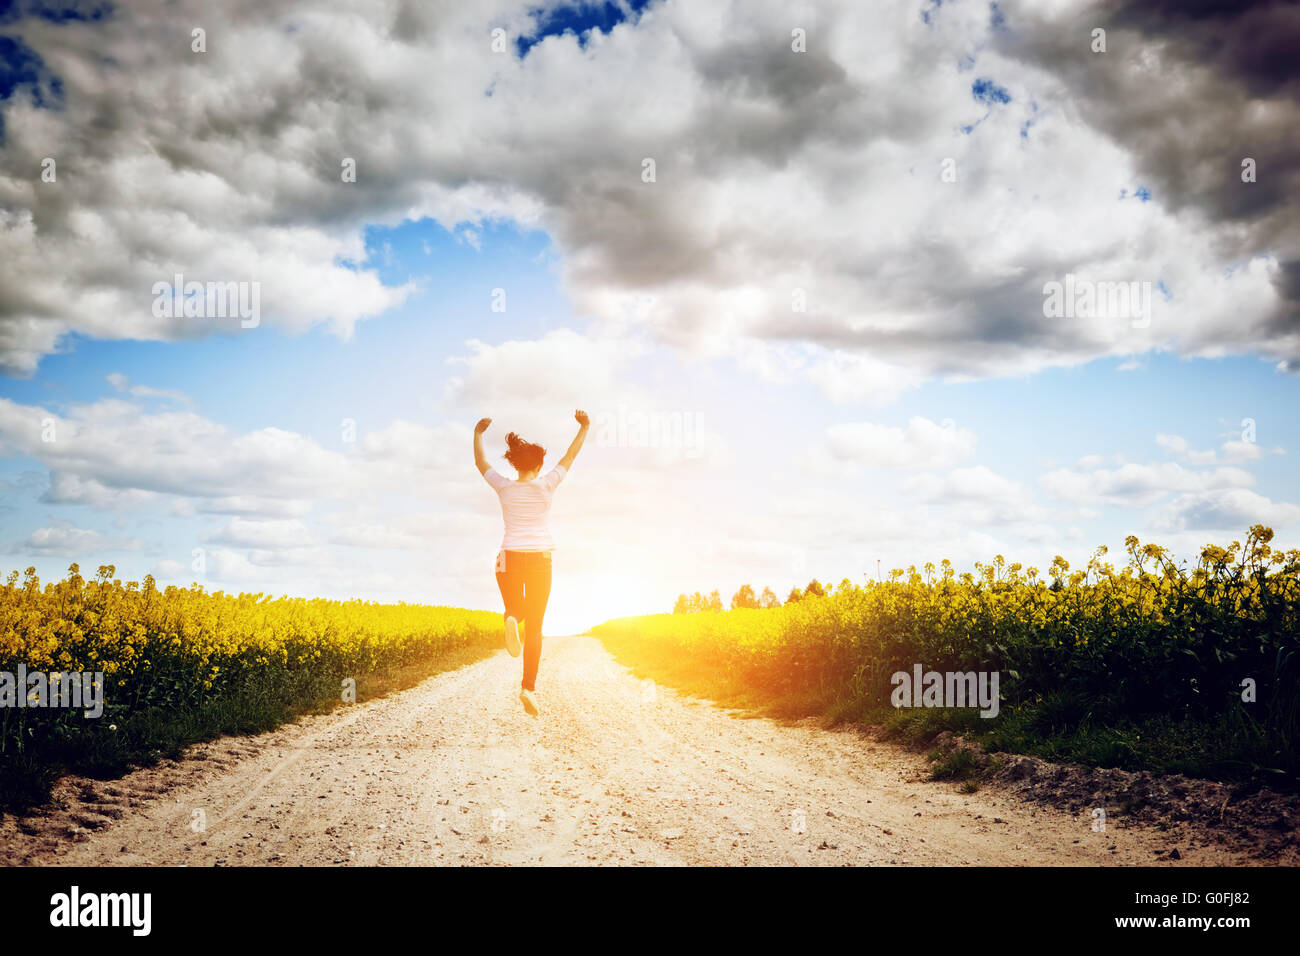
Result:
{"points": [[182, 662], [1103, 660]]}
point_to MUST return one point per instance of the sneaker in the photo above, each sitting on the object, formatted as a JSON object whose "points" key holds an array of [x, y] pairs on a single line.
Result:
{"points": [[530, 702], [512, 637]]}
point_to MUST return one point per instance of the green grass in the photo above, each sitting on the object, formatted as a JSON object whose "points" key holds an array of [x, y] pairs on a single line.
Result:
{"points": [[1063, 727]]}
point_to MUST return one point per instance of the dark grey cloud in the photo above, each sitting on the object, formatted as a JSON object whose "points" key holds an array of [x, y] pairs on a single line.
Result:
{"points": [[1191, 88], [776, 171], [1250, 41]]}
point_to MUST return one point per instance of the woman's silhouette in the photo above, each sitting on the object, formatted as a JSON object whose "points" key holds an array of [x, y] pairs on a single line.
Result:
{"points": [[524, 561]]}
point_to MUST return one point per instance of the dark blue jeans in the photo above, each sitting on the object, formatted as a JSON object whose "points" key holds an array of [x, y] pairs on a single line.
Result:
{"points": [[524, 578]]}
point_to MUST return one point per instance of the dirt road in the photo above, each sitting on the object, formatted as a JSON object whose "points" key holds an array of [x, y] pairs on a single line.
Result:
{"points": [[613, 772]]}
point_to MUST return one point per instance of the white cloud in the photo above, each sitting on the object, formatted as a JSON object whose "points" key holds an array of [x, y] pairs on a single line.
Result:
{"points": [[253, 505], [558, 371], [922, 444], [114, 445], [408, 531], [1174, 444], [269, 534], [1133, 485], [1233, 451], [170, 570], [122, 384], [966, 484], [66, 488], [72, 542], [982, 496], [1228, 510]]}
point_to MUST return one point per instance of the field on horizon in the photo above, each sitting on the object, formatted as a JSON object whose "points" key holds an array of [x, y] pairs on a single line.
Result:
{"points": [[154, 670], [1154, 666]]}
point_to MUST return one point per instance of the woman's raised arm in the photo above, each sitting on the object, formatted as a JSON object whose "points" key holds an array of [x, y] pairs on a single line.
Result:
{"points": [[480, 459], [583, 424]]}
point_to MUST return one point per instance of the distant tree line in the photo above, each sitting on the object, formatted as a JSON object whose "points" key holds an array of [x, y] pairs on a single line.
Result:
{"points": [[744, 597]]}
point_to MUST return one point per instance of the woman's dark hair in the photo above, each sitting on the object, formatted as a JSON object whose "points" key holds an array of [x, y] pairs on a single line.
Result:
{"points": [[524, 455]]}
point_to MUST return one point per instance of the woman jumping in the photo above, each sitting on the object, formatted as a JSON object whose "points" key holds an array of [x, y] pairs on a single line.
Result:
{"points": [[524, 561]]}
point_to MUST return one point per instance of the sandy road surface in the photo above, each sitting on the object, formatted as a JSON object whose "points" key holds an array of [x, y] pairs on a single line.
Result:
{"points": [[613, 772]]}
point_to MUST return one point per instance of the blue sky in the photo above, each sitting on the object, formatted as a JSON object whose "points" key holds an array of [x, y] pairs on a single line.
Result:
{"points": [[918, 405]]}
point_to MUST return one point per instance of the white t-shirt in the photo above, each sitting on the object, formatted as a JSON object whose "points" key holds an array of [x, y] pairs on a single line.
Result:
{"points": [[526, 506]]}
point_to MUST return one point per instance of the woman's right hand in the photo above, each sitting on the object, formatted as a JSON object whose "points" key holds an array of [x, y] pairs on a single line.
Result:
{"points": [[482, 426], [581, 417]]}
